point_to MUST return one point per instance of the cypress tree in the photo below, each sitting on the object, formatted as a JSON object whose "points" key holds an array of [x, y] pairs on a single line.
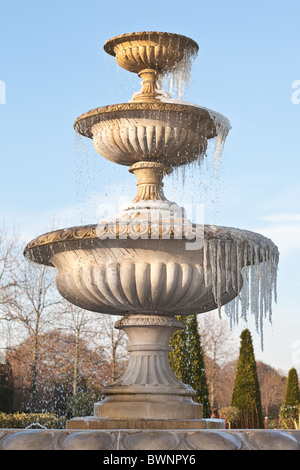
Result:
{"points": [[292, 394], [290, 410], [186, 359], [6, 388], [246, 393]]}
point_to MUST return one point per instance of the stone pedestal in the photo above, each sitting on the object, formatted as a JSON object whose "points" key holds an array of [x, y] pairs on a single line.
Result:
{"points": [[148, 395], [93, 422]]}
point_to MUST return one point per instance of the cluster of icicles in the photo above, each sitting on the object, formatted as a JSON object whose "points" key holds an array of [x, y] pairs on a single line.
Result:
{"points": [[256, 258], [175, 81]]}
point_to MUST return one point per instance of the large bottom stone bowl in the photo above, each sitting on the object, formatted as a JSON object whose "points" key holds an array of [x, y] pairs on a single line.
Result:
{"points": [[146, 273]]}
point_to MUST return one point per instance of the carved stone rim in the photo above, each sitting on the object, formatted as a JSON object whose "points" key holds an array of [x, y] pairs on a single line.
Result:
{"points": [[110, 44], [84, 127], [149, 320], [90, 232]]}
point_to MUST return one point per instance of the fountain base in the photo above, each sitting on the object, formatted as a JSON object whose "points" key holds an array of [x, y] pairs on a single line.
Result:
{"points": [[148, 395], [92, 422], [148, 406]]}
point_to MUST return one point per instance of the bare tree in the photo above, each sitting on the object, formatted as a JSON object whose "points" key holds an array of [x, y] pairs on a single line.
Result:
{"points": [[82, 324], [98, 331], [36, 303], [56, 370], [272, 388], [8, 257], [217, 345], [114, 342]]}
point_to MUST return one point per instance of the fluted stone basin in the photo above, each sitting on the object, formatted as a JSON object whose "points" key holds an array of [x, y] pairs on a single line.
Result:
{"points": [[100, 271], [147, 275], [150, 49], [170, 133]]}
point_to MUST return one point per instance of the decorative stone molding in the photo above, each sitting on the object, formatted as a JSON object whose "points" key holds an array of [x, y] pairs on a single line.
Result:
{"points": [[149, 180], [156, 111], [162, 440], [139, 320], [90, 232], [149, 49]]}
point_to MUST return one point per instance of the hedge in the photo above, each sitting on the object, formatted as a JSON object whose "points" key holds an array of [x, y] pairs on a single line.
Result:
{"points": [[32, 420]]}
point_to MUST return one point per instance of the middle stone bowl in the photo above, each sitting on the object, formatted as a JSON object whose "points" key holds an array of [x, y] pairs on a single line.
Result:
{"points": [[170, 133]]}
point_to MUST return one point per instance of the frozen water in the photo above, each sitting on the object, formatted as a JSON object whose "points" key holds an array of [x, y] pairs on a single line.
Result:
{"points": [[180, 75], [257, 258], [221, 123], [222, 127]]}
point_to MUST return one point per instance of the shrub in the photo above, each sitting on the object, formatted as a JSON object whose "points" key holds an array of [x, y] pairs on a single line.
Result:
{"points": [[25, 420], [82, 404], [289, 416], [230, 414]]}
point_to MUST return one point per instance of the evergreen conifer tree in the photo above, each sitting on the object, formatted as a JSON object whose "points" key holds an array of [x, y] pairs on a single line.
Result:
{"points": [[290, 410], [246, 392], [6, 388], [186, 359], [292, 394]]}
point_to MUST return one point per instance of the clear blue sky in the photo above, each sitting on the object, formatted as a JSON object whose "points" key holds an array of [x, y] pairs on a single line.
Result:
{"points": [[54, 68]]}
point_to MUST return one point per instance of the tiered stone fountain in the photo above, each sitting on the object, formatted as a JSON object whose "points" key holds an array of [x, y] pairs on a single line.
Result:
{"points": [[148, 263]]}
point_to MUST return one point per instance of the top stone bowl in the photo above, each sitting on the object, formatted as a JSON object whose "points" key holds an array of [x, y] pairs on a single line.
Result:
{"points": [[150, 50]]}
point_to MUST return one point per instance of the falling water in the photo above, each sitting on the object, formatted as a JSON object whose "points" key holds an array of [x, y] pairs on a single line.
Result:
{"points": [[179, 76]]}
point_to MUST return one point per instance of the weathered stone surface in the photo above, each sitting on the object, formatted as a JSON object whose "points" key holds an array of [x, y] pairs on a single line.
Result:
{"points": [[29, 440], [135, 439], [93, 422], [268, 440], [150, 440], [89, 441], [212, 440]]}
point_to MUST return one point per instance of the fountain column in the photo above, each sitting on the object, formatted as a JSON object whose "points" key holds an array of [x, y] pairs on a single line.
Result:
{"points": [[148, 389], [148, 395]]}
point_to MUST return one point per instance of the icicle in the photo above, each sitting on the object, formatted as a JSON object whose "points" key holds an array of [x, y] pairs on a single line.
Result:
{"points": [[219, 275], [205, 263], [223, 127], [227, 264], [213, 267], [256, 258], [180, 74]]}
